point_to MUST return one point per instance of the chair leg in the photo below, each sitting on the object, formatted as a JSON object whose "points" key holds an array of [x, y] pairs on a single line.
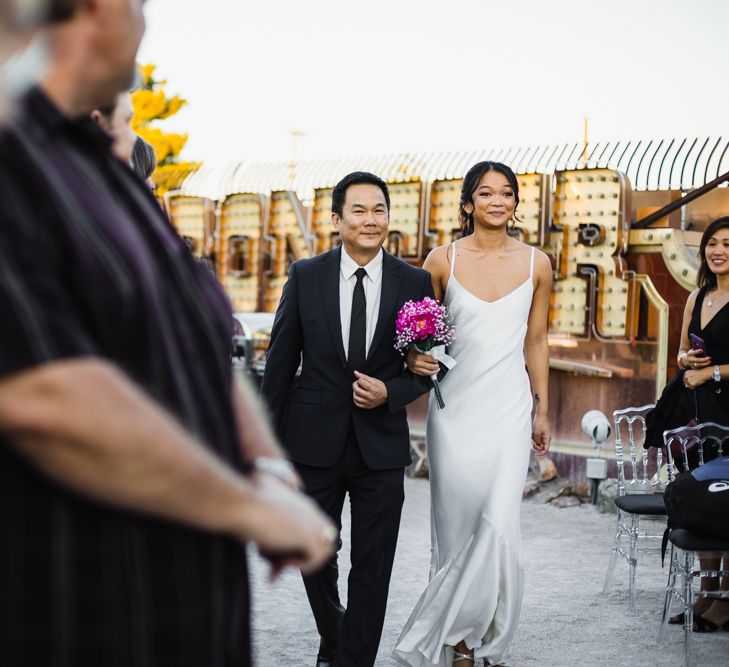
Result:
{"points": [[613, 555], [670, 587], [688, 609], [633, 560]]}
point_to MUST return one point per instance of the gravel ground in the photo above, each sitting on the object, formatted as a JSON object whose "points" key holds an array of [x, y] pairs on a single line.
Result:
{"points": [[565, 618]]}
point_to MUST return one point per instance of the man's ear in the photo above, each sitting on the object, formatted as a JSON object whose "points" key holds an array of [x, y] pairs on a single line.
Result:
{"points": [[99, 119], [335, 221]]}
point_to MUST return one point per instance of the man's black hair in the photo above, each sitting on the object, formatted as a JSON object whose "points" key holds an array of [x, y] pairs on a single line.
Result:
{"points": [[355, 178]]}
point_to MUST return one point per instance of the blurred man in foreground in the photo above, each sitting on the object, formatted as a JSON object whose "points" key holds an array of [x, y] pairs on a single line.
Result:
{"points": [[123, 507]]}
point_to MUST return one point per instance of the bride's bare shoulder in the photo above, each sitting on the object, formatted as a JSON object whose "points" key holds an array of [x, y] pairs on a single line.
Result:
{"points": [[539, 256], [438, 258]]}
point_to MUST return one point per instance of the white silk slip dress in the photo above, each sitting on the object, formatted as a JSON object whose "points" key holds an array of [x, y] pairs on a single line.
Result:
{"points": [[478, 452]]}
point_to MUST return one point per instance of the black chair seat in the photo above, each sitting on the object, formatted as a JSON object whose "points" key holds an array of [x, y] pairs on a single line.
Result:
{"points": [[688, 541], [642, 503]]}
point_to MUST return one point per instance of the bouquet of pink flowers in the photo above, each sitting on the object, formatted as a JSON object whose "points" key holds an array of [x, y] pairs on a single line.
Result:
{"points": [[426, 326]]}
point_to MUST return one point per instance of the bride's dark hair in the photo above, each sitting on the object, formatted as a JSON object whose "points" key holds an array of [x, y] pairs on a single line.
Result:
{"points": [[470, 183]]}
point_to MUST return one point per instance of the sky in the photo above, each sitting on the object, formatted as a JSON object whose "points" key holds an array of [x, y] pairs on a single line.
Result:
{"points": [[386, 76]]}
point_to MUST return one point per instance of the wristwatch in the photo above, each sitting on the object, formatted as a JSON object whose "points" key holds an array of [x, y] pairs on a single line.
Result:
{"points": [[280, 468]]}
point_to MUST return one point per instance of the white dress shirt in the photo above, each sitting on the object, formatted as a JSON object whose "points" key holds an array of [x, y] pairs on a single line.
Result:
{"points": [[372, 284]]}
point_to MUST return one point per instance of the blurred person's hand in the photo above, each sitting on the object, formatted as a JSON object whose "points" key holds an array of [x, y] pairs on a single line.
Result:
{"points": [[18, 21], [22, 59], [291, 529]]}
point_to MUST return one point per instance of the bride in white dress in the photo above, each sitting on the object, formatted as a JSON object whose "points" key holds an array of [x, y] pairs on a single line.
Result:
{"points": [[497, 290]]}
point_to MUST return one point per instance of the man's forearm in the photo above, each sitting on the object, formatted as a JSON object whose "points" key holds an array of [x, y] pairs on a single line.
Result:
{"points": [[86, 425], [405, 388]]}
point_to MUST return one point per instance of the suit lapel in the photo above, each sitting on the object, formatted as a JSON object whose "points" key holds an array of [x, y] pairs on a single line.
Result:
{"points": [[329, 281], [392, 276]]}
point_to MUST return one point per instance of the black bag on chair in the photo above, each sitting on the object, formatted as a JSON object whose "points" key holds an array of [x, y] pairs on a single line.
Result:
{"points": [[698, 501]]}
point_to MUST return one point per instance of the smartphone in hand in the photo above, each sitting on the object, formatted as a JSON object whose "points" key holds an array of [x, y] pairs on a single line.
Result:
{"points": [[697, 343]]}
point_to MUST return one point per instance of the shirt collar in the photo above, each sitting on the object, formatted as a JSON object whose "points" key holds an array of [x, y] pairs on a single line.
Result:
{"points": [[348, 266]]}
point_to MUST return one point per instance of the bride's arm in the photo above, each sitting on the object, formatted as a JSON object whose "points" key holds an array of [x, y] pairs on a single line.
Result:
{"points": [[536, 352], [435, 264]]}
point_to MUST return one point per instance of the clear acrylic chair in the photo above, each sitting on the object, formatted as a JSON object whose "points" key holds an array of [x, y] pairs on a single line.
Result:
{"points": [[692, 446], [640, 495]]}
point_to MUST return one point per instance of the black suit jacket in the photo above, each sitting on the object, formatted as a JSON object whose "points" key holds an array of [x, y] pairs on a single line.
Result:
{"points": [[313, 414]]}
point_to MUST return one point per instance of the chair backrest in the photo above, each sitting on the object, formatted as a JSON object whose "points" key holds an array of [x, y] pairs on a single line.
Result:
{"points": [[645, 465], [692, 446]]}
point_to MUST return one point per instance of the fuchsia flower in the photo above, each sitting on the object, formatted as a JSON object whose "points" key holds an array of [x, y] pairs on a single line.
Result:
{"points": [[423, 321], [423, 325]]}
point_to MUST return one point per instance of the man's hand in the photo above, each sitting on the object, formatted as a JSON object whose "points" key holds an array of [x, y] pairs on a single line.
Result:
{"points": [[292, 530], [421, 364], [368, 392]]}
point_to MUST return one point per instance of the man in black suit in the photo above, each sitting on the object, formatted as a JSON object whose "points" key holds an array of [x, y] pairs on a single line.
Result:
{"points": [[343, 421]]}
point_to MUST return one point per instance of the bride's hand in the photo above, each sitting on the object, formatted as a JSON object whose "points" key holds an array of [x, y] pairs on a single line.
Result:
{"points": [[421, 364], [541, 435]]}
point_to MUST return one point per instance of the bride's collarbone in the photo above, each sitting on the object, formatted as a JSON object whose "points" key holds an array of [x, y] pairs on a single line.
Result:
{"points": [[480, 274], [491, 289], [478, 260], [492, 274], [510, 247]]}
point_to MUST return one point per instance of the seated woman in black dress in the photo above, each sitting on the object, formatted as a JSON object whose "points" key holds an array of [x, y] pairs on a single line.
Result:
{"points": [[707, 371]]}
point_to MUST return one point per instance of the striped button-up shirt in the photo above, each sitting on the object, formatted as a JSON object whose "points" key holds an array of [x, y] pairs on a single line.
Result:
{"points": [[90, 267]]}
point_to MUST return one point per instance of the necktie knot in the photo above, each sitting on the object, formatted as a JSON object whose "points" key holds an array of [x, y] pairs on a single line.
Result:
{"points": [[360, 273]]}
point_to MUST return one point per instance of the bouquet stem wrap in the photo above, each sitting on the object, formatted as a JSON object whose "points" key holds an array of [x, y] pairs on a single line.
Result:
{"points": [[439, 354]]}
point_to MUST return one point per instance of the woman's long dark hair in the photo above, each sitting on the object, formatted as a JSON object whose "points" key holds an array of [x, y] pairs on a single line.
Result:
{"points": [[470, 183], [706, 278]]}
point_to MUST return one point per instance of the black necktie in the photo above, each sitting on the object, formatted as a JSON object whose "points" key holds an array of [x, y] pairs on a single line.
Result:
{"points": [[358, 324]]}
